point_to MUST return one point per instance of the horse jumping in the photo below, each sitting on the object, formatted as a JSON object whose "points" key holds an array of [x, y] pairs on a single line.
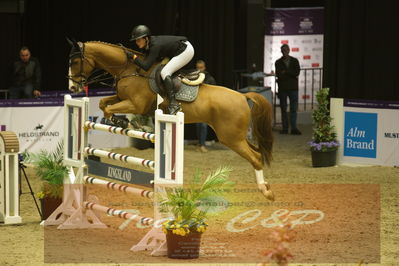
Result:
{"points": [[225, 110]]}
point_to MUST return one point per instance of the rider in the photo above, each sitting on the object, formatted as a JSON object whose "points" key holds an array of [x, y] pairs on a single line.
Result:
{"points": [[177, 48]]}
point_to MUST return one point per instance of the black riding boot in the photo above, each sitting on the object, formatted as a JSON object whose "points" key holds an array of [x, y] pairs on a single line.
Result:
{"points": [[174, 106]]}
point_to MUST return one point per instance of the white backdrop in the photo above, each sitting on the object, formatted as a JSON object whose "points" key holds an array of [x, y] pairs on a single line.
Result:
{"points": [[302, 30], [42, 127]]}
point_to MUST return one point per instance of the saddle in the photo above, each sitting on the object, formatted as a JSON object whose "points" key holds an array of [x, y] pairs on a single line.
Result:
{"points": [[186, 83]]}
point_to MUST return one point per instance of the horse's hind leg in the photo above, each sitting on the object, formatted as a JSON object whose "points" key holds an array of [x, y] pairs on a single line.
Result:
{"points": [[242, 147]]}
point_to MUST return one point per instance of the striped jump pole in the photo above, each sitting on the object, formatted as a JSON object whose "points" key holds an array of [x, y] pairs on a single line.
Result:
{"points": [[121, 131], [119, 187], [120, 157], [118, 213]]}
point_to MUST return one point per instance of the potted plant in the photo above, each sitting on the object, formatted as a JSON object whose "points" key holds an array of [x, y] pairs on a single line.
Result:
{"points": [[324, 144], [187, 207], [50, 169]]}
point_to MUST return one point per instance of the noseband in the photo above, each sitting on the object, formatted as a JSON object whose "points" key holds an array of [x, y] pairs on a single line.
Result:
{"points": [[84, 79]]}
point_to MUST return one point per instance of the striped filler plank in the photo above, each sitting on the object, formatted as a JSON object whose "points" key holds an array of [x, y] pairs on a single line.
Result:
{"points": [[121, 131], [119, 187], [118, 213], [120, 157]]}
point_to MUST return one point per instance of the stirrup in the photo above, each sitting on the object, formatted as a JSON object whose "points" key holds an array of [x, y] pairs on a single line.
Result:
{"points": [[174, 108]]}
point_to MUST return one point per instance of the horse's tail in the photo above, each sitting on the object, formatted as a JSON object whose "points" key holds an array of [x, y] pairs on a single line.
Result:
{"points": [[262, 118]]}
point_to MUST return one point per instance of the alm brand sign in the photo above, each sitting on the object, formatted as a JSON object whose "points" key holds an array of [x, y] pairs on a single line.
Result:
{"points": [[360, 134]]}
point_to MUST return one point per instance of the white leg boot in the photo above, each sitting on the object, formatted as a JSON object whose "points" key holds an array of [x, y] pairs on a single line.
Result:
{"points": [[263, 186]]}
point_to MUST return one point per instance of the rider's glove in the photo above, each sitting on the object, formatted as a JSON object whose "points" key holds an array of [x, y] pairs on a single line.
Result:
{"points": [[130, 55]]}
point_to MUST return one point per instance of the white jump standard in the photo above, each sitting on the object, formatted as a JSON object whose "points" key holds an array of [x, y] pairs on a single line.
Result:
{"points": [[9, 178], [78, 210]]}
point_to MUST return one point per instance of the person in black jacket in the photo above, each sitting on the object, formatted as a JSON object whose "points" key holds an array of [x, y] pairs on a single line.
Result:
{"points": [[177, 48], [287, 72], [25, 76]]}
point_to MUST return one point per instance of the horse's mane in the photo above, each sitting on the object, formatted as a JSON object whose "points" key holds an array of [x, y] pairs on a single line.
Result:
{"points": [[120, 46]]}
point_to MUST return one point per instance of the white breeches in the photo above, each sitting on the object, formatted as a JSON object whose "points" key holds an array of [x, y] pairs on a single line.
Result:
{"points": [[178, 61]]}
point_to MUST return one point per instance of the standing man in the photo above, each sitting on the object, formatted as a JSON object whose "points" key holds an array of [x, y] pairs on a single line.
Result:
{"points": [[202, 128], [287, 72], [25, 76]]}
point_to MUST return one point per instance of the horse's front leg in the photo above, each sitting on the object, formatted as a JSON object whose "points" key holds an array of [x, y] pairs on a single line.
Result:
{"points": [[104, 102], [123, 107]]}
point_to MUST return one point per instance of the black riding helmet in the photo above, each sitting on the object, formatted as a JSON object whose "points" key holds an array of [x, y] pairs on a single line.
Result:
{"points": [[140, 31]]}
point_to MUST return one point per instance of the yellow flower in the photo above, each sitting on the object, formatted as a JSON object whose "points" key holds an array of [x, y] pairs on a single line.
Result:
{"points": [[40, 194], [180, 232], [201, 229]]}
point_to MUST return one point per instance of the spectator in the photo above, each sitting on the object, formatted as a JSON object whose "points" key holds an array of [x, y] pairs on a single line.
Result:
{"points": [[202, 128], [25, 76], [287, 72]]}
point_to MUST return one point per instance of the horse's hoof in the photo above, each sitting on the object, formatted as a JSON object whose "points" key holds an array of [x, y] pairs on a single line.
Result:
{"points": [[174, 108], [269, 195], [122, 122], [266, 191]]}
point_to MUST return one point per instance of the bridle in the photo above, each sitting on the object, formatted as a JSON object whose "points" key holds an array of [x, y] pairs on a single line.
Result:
{"points": [[84, 79], [87, 80]]}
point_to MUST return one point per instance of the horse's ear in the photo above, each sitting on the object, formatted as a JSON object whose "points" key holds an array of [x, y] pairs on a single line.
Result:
{"points": [[72, 42], [69, 41]]}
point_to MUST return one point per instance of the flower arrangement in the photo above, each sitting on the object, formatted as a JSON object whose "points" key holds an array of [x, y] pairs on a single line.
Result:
{"points": [[182, 228], [186, 204], [323, 146], [324, 136], [279, 251]]}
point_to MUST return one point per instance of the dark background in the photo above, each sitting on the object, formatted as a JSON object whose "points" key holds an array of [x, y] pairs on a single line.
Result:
{"points": [[360, 57]]}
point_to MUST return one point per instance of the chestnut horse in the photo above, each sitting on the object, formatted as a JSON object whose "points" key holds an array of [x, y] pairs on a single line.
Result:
{"points": [[225, 110]]}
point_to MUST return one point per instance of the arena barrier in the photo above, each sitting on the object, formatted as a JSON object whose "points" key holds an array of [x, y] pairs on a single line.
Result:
{"points": [[79, 210], [9, 178]]}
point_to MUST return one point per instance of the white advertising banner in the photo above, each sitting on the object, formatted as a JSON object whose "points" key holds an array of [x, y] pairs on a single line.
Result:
{"points": [[367, 130], [36, 127], [302, 30], [39, 124]]}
